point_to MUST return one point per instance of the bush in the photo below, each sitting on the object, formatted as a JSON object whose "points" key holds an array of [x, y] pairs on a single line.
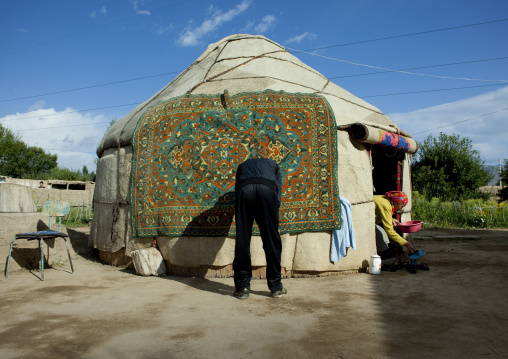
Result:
{"points": [[78, 217], [448, 168], [473, 213], [503, 193]]}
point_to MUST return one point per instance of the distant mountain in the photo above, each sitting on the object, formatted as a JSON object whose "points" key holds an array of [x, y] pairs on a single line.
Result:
{"points": [[495, 171]]}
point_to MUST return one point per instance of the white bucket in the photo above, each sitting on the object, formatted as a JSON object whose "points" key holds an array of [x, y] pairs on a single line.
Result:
{"points": [[375, 264]]}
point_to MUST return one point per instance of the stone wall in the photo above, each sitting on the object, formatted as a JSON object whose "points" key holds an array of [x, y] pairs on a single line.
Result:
{"points": [[75, 197], [78, 193], [15, 198]]}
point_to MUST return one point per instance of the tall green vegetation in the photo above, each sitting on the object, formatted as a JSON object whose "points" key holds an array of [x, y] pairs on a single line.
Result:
{"points": [[448, 168], [503, 193], [472, 213], [71, 175], [18, 160], [112, 121], [21, 161]]}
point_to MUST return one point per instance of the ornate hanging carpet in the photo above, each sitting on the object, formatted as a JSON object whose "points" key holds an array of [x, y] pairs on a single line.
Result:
{"points": [[186, 151]]}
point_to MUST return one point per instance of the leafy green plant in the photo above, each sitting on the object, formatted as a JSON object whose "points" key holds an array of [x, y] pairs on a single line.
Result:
{"points": [[472, 213], [449, 168], [78, 217], [503, 193], [18, 160]]}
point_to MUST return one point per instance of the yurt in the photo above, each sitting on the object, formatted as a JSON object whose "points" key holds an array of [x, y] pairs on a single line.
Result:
{"points": [[166, 171]]}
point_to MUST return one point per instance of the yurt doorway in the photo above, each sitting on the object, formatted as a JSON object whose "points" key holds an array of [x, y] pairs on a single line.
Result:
{"points": [[387, 169]]}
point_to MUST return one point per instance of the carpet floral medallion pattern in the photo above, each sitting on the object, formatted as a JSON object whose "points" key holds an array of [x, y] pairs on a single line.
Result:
{"points": [[186, 151]]}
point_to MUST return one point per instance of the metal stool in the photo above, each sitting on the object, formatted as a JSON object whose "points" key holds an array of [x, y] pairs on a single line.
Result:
{"points": [[40, 236], [53, 209]]}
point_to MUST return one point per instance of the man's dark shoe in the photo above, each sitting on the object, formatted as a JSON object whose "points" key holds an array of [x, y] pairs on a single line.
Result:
{"points": [[279, 293], [242, 294]]}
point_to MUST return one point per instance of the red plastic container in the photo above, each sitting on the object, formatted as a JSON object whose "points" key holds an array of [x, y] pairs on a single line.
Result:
{"points": [[410, 226]]}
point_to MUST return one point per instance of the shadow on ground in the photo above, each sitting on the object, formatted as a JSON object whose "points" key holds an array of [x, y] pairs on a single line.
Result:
{"points": [[457, 309], [26, 253]]}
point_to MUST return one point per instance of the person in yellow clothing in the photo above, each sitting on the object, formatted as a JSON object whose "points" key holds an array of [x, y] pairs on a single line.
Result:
{"points": [[386, 206]]}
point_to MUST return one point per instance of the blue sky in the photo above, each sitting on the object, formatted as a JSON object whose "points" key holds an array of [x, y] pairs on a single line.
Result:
{"points": [[68, 67]]}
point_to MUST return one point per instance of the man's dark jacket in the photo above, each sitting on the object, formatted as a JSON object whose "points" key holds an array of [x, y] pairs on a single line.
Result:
{"points": [[259, 170]]}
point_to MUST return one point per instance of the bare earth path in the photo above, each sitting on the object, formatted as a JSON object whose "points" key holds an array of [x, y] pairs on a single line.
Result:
{"points": [[458, 309]]}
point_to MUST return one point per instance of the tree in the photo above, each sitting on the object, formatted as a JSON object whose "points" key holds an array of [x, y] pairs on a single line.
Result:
{"points": [[503, 193], [447, 167], [87, 176], [112, 121], [66, 174], [18, 160]]}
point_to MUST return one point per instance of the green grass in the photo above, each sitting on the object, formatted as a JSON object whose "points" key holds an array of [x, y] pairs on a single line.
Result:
{"points": [[468, 214], [78, 217]]}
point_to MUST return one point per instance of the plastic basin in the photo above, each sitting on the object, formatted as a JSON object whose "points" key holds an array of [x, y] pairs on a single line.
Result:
{"points": [[410, 226]]}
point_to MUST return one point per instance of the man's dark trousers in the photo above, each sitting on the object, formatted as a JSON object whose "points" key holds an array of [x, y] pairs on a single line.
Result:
{"points": [[257, 202]]}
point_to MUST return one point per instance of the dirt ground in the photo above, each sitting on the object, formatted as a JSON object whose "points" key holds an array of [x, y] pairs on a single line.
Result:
{"points": [[458, 309]]}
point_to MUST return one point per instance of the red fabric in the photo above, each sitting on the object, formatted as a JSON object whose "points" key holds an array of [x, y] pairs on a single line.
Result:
{"points": [[396, 197]]}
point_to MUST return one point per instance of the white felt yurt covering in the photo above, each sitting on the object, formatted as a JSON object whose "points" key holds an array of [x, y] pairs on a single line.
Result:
{"points": [[244, 63]]}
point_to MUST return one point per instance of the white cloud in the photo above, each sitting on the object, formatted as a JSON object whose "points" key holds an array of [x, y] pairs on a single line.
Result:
{"points": [[72, 136], [191, 36], [266, 23], [102, 10], [259, 27], [135, 4], [480, 118], [22, 30], [37, 106], [300, 38], [162, 30]]}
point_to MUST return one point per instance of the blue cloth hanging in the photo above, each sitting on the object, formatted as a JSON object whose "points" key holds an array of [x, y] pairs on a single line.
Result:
{"points": [[345, 236]]}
